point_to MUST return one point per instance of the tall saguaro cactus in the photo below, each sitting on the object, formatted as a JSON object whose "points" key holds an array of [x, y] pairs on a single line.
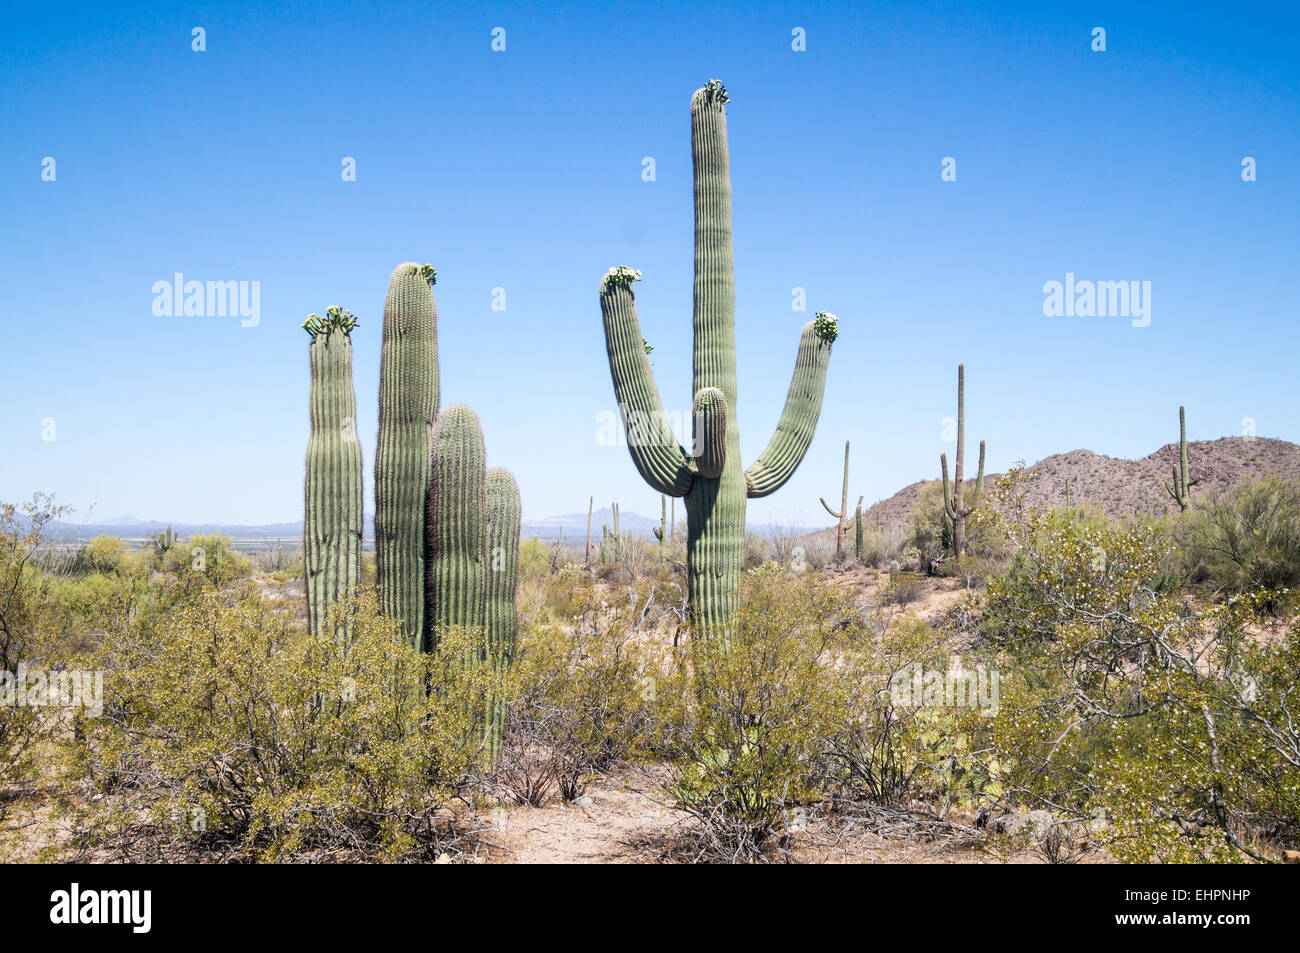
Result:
{"points": [[331, 538], [408, 406], [841, 531], [1180, 489], [857, 531], [711, 479], [953, 506]]}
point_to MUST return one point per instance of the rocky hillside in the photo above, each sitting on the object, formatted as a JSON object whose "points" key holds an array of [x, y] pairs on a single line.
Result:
{"points": [[1126, 487]]}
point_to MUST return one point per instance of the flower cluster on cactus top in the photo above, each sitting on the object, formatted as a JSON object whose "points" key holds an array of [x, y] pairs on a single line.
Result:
{"points": [[827, 326], [715, 92], [622, 275], [649, 348], [336, 319], [428, 273]]}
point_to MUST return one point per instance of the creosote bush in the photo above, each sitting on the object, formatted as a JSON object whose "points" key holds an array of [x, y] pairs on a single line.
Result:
{"points": [[229, 731]]}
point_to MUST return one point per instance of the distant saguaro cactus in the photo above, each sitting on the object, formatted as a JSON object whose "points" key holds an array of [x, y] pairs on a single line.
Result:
{"points": [[953, 506], [661, 531], [710, 478], [333, 489], [408, 407], [857, 531], [841, 531], [1180, 489], [591, 501]]}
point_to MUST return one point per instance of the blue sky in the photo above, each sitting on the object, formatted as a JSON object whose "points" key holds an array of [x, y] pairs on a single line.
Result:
{"points": [[522, 170]]}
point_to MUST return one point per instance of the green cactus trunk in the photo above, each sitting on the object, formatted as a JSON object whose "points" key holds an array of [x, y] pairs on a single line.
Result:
{"points": [[455, 525], [504, 514], [1180, 490], [332, 518], [711, 478], [408, 406], [954, 508], [841, 527], [857, 531]]}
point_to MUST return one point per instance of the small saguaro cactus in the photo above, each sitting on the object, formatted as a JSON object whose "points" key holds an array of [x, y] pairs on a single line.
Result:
{"points": [[333, 487], [408, 406], [857, 531], [1180, 489], [661, 531], [455, 524], [954, 507], [711, 478], [591, 501], [841, 531]]}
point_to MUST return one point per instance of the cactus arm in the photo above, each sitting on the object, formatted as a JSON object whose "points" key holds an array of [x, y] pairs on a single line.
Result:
{"points": [[827, 508], [710, 432], [803, 405], [661, 462]]}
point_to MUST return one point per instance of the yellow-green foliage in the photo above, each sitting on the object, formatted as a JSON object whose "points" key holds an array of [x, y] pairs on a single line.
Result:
{"points": [[232, 729], [584, 701], [1165, 728], [748, 714]]}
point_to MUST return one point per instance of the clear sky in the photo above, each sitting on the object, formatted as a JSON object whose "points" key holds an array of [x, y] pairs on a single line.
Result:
{"points": [[522, 170]]}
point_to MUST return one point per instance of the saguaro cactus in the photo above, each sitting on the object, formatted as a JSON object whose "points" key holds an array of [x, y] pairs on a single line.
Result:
{"points": [[857, 531], [841, 531], [503, 522], [591, 501], [953, 506], [332, 493], [661, 531], [710, 478], [1180, 489], [408, 406], [455, 524]]}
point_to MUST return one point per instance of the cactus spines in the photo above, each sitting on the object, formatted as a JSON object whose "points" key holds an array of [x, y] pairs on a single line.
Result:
{"points": [[841, 530], [711, 478], [857, 531], [953, 506], [408, 406], [501, 622], [333, 488], [455, 524], [1180, 489]]}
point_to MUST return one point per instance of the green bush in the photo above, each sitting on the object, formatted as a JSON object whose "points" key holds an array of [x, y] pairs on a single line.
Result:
{"points": [[1248, 538], [233, 731]]}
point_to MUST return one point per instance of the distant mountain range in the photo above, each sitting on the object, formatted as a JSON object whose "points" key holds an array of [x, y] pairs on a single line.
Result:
{"points": [[571, 527]]}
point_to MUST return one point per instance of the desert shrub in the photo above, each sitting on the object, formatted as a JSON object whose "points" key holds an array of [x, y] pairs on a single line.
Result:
{"points": [[879, 546], [103, 554], [903, 589], [534, 559], [25, 626], [748, 716], [908, 738], [1248, 538], [756, 550], [582, 702], [207, 560], [229, 730], [1167, 729], [931, 534]]}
